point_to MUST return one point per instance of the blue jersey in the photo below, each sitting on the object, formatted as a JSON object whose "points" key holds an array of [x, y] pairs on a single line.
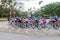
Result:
{"points": [[56, 19]]}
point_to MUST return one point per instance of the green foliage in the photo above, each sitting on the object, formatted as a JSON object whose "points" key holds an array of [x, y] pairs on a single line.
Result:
{"points": [[52, 9], [37, 13], [5, 12]]}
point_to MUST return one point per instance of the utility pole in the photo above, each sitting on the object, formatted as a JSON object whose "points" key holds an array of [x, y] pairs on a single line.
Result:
{"points": [[39, 4], [9, 14]]}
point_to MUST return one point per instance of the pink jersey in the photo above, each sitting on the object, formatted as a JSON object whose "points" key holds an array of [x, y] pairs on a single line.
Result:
{"points": [[43, 20]]}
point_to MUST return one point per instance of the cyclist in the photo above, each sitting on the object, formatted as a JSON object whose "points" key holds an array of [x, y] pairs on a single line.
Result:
{"points": [[43, 21], [55, 25]]}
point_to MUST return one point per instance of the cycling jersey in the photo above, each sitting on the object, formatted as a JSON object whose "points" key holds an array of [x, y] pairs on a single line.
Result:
{"points": [[55, 19], [43, 20]]}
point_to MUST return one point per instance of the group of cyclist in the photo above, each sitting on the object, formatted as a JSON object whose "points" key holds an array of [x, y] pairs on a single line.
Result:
{"points": [[35, 22]]}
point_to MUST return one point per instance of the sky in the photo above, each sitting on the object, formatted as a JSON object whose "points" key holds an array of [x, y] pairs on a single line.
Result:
{"points": [[35, 3]]}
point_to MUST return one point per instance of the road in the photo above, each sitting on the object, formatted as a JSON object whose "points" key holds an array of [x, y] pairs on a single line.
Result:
{"points": [[15, 36], [11, 36], [4, 24]]}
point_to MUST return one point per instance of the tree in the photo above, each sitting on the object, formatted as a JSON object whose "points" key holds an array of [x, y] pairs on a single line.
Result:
{"points": [[5, 10], [52, 9]]}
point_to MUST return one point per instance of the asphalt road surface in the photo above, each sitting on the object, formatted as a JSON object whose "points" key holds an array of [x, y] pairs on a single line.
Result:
{"points": [[4, 24], [11, 36], [14, 36]]}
